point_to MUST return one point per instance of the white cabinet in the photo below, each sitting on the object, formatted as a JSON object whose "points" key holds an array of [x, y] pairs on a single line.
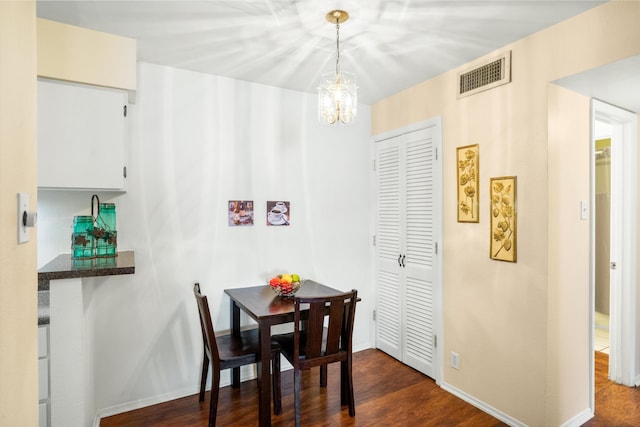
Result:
{"points": [[81, 136], [407, 231]]}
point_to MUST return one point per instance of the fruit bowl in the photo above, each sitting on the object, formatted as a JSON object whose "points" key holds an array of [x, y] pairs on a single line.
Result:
{"points": [[285, 285]]}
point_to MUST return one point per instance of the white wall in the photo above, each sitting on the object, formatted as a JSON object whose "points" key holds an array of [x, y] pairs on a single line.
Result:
{"points": [[198, 141]]}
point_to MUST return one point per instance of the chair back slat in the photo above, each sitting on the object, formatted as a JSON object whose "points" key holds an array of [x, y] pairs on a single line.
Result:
{"points": [[208, 334], [334, 328], [313, 330]]}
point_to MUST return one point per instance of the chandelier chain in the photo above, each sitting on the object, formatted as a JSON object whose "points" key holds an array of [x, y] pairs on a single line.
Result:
{"points": [[337, 49]]}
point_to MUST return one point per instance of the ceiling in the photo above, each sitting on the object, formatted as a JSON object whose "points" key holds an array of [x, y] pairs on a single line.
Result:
{"points": [[617, 83], [389, 44]]}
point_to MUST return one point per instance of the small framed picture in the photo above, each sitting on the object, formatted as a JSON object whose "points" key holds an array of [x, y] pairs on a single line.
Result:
{"points": [[240, 212], [504, 229], [278, 213]]}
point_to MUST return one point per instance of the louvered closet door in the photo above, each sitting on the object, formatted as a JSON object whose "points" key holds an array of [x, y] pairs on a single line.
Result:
{"points": [[388, 235], [418, 249], [405, 248]]}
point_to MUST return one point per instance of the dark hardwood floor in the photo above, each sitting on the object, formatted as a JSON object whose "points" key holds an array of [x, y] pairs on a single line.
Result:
{"points": [[387, 393], [616, 405]]}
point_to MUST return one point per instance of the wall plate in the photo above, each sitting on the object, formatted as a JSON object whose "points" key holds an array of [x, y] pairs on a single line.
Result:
{"points": [[23, 209]]}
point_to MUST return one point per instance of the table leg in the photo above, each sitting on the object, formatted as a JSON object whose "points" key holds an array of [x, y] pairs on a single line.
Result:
{"points": [[235, 330], [264, 374]]}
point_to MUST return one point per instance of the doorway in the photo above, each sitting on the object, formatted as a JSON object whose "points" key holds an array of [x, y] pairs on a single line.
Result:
{"points": [[621, 151], [602, 204]]}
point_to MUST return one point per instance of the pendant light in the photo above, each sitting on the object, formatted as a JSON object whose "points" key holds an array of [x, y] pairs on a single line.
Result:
{"points": [[337, 92]]}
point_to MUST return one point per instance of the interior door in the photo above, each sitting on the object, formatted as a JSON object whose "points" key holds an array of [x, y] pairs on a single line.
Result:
{"points": [[417, 259], [388, 249], [407, 228]]}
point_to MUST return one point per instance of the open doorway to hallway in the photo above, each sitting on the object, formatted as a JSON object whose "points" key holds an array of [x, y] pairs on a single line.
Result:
{"points": [[614, 194], [602, 145], [617, 83]]}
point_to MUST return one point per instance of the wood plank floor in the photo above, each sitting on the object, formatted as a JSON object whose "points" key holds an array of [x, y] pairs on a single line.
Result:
{"points": [[616, 405], [387, 393]]}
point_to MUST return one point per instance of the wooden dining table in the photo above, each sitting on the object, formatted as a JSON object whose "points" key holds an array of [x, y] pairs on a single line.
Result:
{"points": [[263, 305]]}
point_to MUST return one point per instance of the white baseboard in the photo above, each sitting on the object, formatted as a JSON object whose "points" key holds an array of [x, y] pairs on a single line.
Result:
{"points": [[142, 403], [177, 394], [482, 406], [246, 375], [579, 419]]}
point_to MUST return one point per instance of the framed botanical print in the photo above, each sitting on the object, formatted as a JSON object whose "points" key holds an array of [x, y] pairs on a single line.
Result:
{"points": [[504, 230], [468, 162]]}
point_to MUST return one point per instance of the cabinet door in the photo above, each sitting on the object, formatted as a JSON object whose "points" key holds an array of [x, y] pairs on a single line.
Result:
{"points": [[43, 340], [43, 379], [42, 413], [81, 136]]}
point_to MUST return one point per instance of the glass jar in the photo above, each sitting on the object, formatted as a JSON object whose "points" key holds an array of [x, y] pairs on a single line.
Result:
{"points": [[108, 239], [108, 216], [82, 238]]}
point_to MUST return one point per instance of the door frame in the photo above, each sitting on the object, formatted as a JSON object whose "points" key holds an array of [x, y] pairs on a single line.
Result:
{"points": [[623, 298], [438, 257]]}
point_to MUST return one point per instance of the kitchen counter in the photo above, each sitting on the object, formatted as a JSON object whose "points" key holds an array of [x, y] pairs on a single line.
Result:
{"points": [[70, 286], [65, 267]]}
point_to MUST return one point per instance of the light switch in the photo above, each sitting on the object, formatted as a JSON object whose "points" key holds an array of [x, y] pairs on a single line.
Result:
{"points": [[584, 210], [25, 218]]}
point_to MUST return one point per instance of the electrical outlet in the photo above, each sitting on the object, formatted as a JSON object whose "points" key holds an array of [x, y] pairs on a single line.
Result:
{"points": [[454, 360]]}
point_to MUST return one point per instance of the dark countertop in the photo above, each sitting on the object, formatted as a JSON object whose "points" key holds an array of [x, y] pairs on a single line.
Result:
{"points": [[64, 267]]}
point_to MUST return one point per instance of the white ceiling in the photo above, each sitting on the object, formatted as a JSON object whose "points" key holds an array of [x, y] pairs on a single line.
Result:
{"points": [[389, 44], [617, 83]]}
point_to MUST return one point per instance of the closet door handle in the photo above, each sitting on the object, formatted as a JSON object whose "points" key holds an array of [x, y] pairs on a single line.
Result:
{"points": [[403, 257], [399, 262]]}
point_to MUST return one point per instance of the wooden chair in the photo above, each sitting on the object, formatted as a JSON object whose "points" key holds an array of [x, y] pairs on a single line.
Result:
{"points": [[317, 345], [229, 351]]}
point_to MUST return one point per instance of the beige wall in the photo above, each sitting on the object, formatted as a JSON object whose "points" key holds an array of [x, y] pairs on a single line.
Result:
{"points": [[521, 329], [18, 281], [30, 47], [80, 55], [568, 283]]}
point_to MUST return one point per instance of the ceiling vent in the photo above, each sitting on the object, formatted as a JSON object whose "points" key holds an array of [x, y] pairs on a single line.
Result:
{"points": [[494, 72]]}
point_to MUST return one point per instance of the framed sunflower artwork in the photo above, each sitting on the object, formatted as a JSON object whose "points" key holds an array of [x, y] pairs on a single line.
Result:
{"points": [[504, 230], [468, 162]]}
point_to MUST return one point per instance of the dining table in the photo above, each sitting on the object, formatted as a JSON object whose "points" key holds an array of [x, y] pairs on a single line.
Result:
{"points": [[265, 307]]}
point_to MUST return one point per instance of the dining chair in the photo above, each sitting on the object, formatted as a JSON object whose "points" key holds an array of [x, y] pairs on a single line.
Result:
{"points": [[230, 351], [318, 345]]}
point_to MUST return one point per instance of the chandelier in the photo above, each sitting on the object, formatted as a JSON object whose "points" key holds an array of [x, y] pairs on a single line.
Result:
{"points": [[337, 93]]}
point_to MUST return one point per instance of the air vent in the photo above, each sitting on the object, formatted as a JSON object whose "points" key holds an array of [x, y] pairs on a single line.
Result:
{"points": [[495, 72]]}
